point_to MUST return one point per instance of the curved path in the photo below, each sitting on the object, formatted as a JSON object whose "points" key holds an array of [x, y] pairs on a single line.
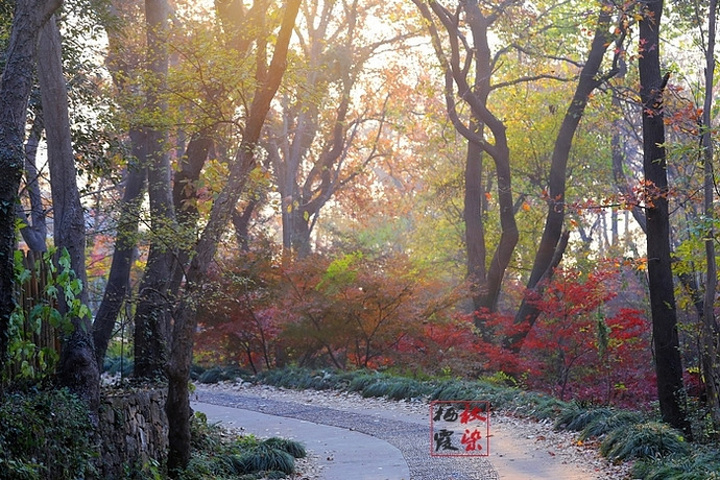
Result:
{"points": [[359, 439], [340, 453], [360, 460]]}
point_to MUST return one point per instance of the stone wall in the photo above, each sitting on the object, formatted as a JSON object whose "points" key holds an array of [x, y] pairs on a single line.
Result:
{"points": [[133, 430]]}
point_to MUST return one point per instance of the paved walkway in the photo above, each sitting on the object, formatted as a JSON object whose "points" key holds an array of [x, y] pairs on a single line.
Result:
{"points": [[342, 453], [363, 443]]}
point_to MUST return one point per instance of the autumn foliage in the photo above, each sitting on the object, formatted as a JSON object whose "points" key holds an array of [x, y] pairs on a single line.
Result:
{"points": [[582, 346], [357, 312]]}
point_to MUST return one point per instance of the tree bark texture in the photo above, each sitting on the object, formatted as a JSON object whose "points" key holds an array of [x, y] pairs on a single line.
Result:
{"points": [[77, 369], [34, 228], [178, 370], [668, 364], [15, 86]]}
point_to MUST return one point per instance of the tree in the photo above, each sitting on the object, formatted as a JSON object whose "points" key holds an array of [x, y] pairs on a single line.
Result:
{"points": [[710, 360], [487, 280], [668, 363], [152, 316], [315, 150], [77, 369], [178, 369], [29, 17], [123, 67], [551, 248]]}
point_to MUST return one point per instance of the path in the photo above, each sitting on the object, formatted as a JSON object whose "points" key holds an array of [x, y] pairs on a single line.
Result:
{"points": [[340, 453], [361, 440]]}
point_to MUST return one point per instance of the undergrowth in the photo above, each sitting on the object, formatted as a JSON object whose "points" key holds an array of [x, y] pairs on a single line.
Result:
{"points": [[219, 456], [39, 436]]}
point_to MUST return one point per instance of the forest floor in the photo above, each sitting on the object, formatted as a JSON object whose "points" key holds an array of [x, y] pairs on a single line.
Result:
{"points": [[358, 438]]}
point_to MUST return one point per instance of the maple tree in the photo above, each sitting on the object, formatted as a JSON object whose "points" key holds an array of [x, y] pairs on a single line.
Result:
{"points": [[583, 346]]}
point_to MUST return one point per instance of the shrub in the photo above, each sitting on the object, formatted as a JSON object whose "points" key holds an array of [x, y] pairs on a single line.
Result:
{"points": [[45, 434], [203, 436]]}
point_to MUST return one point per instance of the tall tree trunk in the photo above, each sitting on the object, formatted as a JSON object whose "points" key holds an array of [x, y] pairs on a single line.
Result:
{"points": [[185, 197], [15, 85], [178, 370], [118, 283], [590, 79], [474, 228], [152, 316], [77, 369], [668, 364], [710, 333]]}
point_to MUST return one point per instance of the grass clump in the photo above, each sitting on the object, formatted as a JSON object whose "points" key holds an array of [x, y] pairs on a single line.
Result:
{"points": [[262, 458], [362, 380], [220, 458], [701, 464], [220, 374], [301, 378], [406, 389], [296, 449], [606, 422], [455, 390], [576, 418], [643, 440]]}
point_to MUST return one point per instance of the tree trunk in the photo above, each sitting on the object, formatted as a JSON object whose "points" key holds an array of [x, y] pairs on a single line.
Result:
{"points": [[34, 228], [589, 80], [152, 317], [668, 364], [185, 197], [178, 370], [710, 332], [118, 281], [77, 369], [15, 85], [475, 230]]}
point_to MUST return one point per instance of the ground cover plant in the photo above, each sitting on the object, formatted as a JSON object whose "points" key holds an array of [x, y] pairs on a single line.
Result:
{"points": [[221, 455]]}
